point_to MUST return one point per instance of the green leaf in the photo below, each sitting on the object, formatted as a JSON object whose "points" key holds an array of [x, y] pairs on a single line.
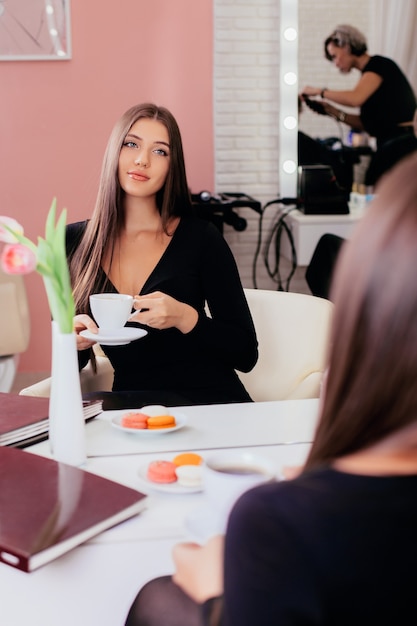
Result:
{"points": [[50, 222], [53, 261]]}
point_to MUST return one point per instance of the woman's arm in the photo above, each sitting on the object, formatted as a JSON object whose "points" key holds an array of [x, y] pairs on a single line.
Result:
{"points": [[268, 578], [367, 85], [229, 332], [351, 119], [199, 569], [158, 310]]}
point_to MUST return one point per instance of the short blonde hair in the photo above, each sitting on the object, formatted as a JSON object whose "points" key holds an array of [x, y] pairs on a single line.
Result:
{"points": [[345, 35]]}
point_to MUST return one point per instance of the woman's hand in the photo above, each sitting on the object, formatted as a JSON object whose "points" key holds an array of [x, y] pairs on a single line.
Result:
{"points": [[323, 107], [289, 472], [311, 91], [84, 322], [158, 310], [199, 569], [330, 110]]}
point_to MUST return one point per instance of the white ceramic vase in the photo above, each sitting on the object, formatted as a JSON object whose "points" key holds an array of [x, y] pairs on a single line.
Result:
{"points": [[66, 415]]}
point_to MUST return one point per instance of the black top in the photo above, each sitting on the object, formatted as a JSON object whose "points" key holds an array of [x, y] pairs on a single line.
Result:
{"points": [[393, 103], [327, 548], [196, 267]]}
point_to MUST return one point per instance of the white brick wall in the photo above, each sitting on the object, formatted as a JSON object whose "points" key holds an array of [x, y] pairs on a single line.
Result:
{"points": [[246, 102]]}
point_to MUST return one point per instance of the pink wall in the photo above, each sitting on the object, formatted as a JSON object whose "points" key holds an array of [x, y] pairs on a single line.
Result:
{"points": [[56, 116]]}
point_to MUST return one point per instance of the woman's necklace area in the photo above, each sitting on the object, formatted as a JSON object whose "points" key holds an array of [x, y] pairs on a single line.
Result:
{"points": [[135, 259], [123, 284]]}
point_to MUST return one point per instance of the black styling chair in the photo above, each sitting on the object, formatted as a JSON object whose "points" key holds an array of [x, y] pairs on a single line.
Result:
{"points": [[320, 269]]}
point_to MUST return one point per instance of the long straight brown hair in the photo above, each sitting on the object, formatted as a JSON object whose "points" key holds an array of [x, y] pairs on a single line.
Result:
{"points": [[371, 388], [107, 219]]}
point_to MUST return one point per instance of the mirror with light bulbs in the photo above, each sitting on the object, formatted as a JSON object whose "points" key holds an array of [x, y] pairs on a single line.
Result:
{"points": [[303, 28], [288, 123]]}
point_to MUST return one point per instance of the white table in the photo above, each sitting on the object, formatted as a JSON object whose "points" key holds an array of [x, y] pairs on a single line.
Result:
{"points": [[97, 582], [307, 230], [209, 426]]}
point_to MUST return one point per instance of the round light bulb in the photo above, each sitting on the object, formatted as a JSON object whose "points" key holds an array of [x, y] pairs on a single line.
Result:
{"points": [[289, 166], [290, 78], [290, 34], [290, 122]]}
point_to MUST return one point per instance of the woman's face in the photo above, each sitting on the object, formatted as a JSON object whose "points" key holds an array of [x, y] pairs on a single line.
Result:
{"points": [[144, 158], [341, 57]]}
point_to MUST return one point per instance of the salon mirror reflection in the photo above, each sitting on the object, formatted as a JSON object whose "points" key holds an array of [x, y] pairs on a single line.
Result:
{"points": [[374, 35]]}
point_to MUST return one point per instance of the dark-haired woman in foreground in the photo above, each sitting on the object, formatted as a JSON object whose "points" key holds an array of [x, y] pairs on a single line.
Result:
{"points": [[337, 544]]}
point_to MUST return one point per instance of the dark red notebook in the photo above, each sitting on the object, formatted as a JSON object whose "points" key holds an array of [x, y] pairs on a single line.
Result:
{"points": [[47, 508], [24, 419]]}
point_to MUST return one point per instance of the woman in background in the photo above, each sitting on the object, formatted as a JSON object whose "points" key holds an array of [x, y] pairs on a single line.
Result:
{"points": [[383, 94], [336, 544], [143, 240]]}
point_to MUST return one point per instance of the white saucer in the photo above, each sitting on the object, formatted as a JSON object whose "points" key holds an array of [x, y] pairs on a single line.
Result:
{"points": [[165, 487], [120, 337], [204, 522], [180, 420]]}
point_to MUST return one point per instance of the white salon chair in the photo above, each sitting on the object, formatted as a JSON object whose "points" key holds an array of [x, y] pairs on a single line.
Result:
{"points": [[292, 331], [14, 327], [101, 381]]}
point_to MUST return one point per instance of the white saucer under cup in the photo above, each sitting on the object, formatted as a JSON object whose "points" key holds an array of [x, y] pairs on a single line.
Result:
{"points": [[119, 337], [111, 310]]}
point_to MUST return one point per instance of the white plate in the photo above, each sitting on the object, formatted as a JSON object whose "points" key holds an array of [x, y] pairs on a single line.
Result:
{"points": [[180, 419], [165, 487], [115, 338]]}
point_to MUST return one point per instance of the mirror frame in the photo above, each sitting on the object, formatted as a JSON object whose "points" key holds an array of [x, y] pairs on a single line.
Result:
{"points": [[35, 30]]}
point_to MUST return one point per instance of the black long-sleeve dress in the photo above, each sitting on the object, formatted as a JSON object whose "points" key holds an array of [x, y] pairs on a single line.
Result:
{"points": [[325, 549], [197, 267]]}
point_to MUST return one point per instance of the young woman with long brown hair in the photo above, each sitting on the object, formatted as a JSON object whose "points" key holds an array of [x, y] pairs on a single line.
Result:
{"points": [[143, 240]]}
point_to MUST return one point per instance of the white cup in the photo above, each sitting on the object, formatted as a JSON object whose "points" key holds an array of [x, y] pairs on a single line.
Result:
{"points": [[111, 310], [227, 475]]}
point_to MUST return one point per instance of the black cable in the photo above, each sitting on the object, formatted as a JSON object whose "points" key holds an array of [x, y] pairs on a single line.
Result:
{"points": [[284, 225], [275, 236], [259, 241], [258, 247], [277, 230]]}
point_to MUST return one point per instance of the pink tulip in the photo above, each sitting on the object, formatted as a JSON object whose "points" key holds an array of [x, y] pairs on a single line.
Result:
{"points": [[5, 235], [18, 259]]}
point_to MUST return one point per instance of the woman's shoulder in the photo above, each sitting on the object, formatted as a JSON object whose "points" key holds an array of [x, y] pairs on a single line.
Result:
{"points": [[75, 228], [199, 226], [322, 489], [74, 233], [378, 63]]}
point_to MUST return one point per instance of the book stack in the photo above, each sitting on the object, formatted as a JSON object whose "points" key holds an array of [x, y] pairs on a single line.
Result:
{"points": [[24, 419]]}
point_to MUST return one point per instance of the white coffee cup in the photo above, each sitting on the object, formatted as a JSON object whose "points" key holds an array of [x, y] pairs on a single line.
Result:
{"points": [[111, 310], [227, 475]]}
